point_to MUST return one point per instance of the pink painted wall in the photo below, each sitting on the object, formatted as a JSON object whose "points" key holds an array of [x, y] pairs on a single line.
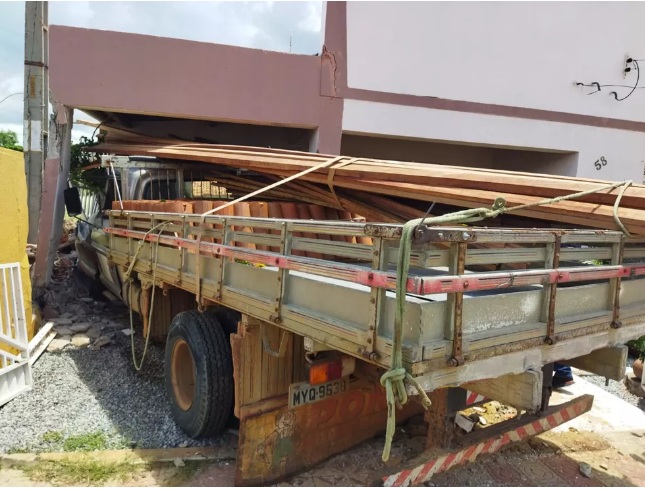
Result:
{"points": [[122, 72]]}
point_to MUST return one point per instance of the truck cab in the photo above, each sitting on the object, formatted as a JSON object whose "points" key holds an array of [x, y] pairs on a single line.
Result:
{"points": [[132, 178]]}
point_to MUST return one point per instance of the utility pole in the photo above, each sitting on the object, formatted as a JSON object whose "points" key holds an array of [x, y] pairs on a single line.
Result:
{"points": [[36, 107]]}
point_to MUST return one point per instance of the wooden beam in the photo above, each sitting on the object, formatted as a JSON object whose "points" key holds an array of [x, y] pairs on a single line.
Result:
{"points": [[607, 362], [522, 391]]}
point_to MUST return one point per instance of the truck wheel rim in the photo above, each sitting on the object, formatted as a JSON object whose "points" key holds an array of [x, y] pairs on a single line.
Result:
{"points": [[183, 375]]}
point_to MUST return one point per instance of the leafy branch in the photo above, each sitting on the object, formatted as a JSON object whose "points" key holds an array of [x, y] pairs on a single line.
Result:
{"points": [[638, 345], [80, 160]]}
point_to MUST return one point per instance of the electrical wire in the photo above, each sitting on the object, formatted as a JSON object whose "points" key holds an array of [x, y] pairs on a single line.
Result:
{"points": [[638, 77], [17, 93], [599, 87], [596, 84]]}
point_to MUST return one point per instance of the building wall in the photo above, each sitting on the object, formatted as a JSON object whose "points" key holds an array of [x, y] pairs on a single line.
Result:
{"points": [[624, 151], [14, 220], [521, 54], [501, 75]]}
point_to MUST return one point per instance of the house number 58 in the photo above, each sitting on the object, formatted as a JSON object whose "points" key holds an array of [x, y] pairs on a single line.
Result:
{"points": [[600, 163]]}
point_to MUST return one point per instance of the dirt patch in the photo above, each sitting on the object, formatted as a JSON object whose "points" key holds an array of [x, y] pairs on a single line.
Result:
{"points": [[574, 441]]}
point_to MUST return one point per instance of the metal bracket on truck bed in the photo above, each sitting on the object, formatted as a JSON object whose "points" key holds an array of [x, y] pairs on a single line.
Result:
{"points": [[491, 440]]}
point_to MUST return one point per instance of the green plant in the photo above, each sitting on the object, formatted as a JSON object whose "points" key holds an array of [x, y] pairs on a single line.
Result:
{"points": [[85, 443], [18, 450], [9, 140], [80, 158], [639, 346], [52, 437], [87, 472]]}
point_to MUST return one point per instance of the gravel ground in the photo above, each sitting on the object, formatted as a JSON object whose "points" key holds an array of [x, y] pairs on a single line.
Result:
{"points": [[79, 391]]}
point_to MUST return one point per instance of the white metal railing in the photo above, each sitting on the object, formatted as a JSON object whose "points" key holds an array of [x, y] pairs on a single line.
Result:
{"points": [[15, 371]]}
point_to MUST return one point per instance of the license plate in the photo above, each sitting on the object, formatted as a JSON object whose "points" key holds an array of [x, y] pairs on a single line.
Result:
{"points": [[304, 393]]}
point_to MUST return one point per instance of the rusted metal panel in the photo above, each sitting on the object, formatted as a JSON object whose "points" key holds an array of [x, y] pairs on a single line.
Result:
{"points": [[553, 290], [426, 234], [457, 331], [277, 443]]}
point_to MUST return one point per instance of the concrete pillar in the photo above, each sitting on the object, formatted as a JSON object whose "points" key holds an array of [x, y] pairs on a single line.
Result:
{"points": [[56, 175], [35, 107]]}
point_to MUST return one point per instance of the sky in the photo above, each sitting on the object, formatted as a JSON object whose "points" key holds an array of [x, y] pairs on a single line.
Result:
{"points": [[263, 25]]}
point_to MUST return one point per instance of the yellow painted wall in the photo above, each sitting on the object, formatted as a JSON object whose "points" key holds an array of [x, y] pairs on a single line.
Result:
{"points": [[14, 221]]}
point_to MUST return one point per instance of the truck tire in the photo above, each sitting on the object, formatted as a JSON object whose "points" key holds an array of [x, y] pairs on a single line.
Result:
{"points": [[199, 374], [227, 318]]}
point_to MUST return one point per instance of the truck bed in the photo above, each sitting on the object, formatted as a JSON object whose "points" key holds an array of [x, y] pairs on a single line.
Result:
{"points": [[480, 301]]}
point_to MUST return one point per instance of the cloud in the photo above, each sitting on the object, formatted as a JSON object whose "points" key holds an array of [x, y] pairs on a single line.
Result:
{"points": [[275, 26]]}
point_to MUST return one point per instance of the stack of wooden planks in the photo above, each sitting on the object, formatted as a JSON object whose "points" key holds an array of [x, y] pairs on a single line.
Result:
{"points": [[393, 191], [254, 209]]}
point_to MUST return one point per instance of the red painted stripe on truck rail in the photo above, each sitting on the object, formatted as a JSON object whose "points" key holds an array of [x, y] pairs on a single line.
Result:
{"points": [[375, 278]]}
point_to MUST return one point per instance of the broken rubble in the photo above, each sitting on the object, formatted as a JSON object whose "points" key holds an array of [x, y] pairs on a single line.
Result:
{"points": [[102, 341], [585, 469], [126, 332], [94, 332], [80, 327], [63, 330], [81, 340], [49, 312], [61, 321], [179, 462], [58, 344]]}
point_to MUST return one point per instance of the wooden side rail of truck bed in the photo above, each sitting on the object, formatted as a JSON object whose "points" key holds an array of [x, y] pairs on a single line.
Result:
{"points": [[485, 309]]}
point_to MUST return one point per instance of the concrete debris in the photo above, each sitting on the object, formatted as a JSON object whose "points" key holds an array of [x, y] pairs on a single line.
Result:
{"points": [[61, 321], [179, 462], [633, 384], [102, 341], [477, 418], [63, 330], [94, 332], [183, 445], [585, 469], [81, 340], [49, 312], [126, 332], [58, 344], [80, 327], [464, 423]]}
